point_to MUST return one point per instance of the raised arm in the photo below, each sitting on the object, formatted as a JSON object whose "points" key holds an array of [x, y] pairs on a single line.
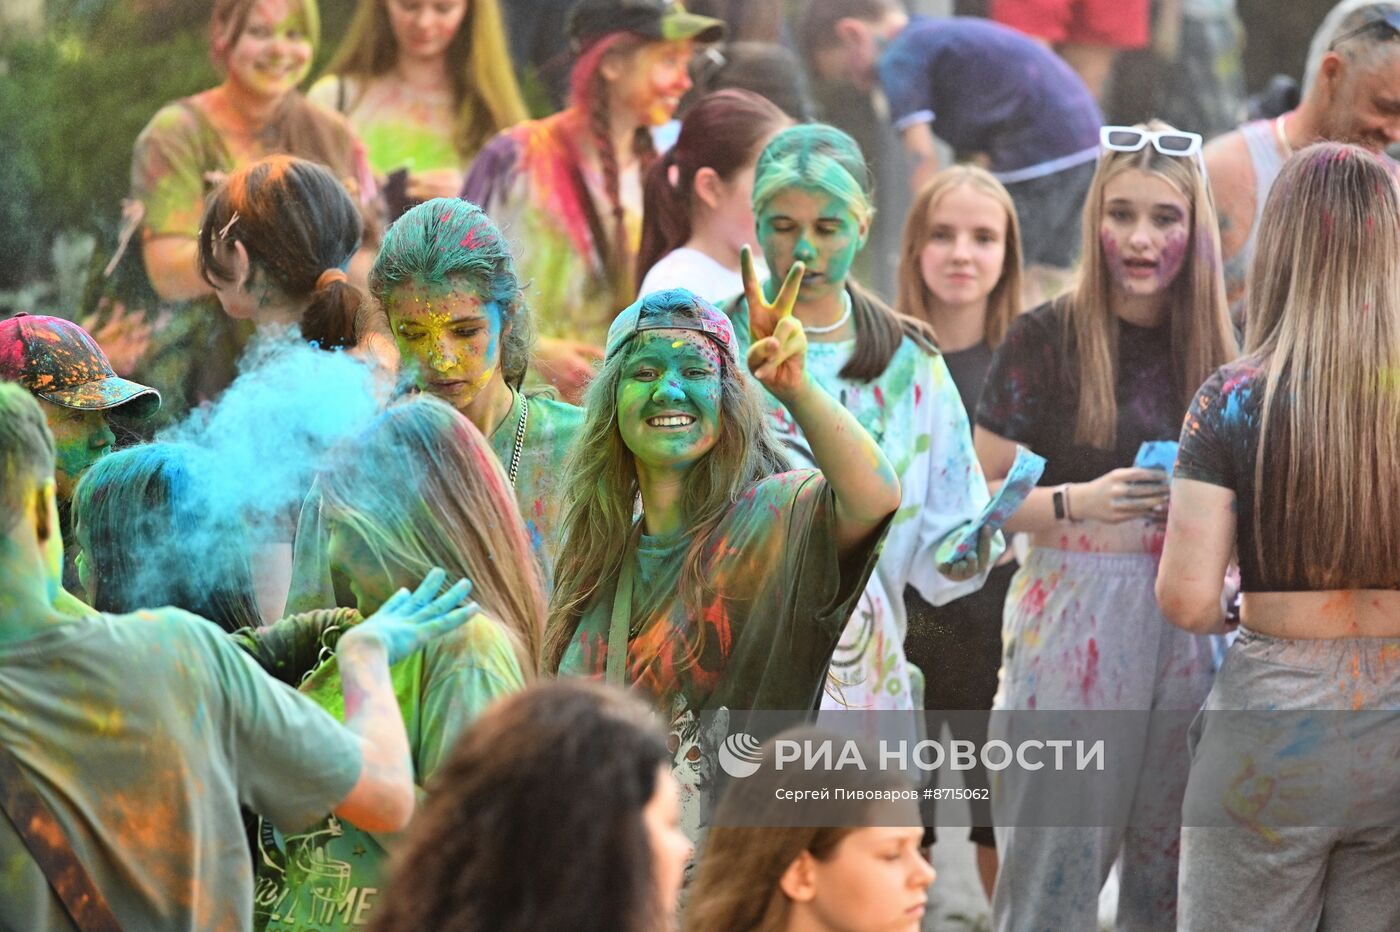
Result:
{"points": [[864, 482], [382, 799]]}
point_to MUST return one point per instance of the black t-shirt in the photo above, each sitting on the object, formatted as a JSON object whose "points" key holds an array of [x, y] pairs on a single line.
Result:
{"points": [[1220, 445], [1031, 395], [969, 370]]}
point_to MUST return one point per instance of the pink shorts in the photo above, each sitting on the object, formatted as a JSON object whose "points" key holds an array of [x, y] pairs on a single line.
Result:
{"points": [[1121, 24]]}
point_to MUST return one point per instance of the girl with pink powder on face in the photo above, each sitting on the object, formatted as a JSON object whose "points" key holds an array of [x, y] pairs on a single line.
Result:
{"points": [[1084, 381]]}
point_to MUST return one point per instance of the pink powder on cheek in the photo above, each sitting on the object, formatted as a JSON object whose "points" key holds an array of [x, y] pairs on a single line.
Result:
{"points": [[1173, 257], [1113, 256]]}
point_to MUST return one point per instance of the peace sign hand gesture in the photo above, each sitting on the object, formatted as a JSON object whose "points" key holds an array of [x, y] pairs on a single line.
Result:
{"points": [[778, 356]]}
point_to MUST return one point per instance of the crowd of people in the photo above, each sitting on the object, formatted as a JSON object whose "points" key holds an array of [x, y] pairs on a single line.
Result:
{"points": [[595, 435]]}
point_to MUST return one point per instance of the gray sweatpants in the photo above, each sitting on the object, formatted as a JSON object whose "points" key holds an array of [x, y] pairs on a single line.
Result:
{"points": [[1082, 631], [1263, 875]]}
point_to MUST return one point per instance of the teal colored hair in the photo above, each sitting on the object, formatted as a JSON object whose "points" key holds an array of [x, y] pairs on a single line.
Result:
{"points": [[815, 157], [447, 237], [820, 158]]}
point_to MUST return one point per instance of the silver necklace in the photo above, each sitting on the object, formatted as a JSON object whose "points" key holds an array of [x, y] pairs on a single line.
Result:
{"points": [[832, 328], [519, 440]]}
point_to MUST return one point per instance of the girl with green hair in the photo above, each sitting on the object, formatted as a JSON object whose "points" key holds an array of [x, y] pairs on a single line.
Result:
{"points": [[812, 200]]}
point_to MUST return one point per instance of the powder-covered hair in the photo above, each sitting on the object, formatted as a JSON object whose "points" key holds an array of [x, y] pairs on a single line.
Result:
{"points": [[296, 222], [819, 158], [448, 237], [1201, 335], [601, 491], [153, 536], [722, 132], [1324, 319], [26, 451], [484, 89], [914, 298], [422, 488]]}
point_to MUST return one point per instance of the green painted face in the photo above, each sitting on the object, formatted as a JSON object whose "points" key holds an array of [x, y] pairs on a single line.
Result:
{"points": [[813, 227], [370, 581], [668, 400], [81, 438]]}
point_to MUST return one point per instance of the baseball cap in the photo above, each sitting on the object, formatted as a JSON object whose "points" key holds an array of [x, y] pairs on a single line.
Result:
{"points": [[672, 309], [60, 362], [590, 20]]}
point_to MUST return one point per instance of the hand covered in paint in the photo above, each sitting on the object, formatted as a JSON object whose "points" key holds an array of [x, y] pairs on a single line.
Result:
{"points": [[972, 563], [778, 356], [1122, 495], [568, 365], [408, 621]]}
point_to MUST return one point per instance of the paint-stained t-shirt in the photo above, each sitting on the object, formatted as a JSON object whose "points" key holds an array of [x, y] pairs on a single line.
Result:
{"points": [[777, 597], [913, 413], [330, 876], [522, 178], [987, 88], [144, 733], [1030, 395], [1220, 445], [402, 126], [550, 430]]}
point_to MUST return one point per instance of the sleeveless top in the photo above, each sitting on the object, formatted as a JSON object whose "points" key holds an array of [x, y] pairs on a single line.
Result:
{"points": [[1261, 140]]}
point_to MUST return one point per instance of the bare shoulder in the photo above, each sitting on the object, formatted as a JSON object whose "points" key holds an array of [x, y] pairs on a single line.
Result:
{"points": [[1232, 184]]}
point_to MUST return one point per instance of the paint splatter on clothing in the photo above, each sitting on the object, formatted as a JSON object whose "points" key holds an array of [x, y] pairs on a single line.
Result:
{"points": [[523, 179], [1082, 631], [193, 352], [550, 430], [777, 595], [1030, 395], [402, 126], [144, 733], [330, 876], [913, 413]]}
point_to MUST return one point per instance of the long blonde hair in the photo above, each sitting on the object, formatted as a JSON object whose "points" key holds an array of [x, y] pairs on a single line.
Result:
{"points": [[1201, 337], [422, 488], [484, 88], [914, 298], [1324, 319]]}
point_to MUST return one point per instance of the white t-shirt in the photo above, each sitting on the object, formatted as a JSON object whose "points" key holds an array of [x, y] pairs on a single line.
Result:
{"points": [[692, 269]]}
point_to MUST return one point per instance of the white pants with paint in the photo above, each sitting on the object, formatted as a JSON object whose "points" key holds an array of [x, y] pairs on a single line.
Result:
{"points": [[1082, 631]]}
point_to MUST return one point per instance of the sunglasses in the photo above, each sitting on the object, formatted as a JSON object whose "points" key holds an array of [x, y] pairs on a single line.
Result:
{"points": [[1168, 142], [1390, 21]]}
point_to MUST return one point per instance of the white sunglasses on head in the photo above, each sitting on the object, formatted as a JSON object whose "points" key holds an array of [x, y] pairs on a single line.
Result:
{"points": [[1168, 142]]}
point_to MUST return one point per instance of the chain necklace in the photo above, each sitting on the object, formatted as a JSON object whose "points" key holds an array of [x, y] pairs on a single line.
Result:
{"points": [[514, 469], [841, 322]]}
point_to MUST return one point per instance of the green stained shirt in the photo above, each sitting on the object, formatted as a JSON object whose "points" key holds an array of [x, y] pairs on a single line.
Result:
{"points": [[144, 733], [401, 126], [330, 876], [550, 430]]}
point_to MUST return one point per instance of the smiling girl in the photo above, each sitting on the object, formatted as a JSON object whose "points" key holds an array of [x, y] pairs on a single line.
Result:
{"points": [[425, 83], [812, 199], [729, 586], [264, 49], [1084, 381], [569, 187]]}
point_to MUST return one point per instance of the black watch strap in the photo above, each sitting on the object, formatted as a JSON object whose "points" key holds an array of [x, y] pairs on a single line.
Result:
{"points": [[1059, 500]]}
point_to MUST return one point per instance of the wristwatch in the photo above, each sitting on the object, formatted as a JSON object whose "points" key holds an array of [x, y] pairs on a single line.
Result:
{"points": [[1061, 500]]}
